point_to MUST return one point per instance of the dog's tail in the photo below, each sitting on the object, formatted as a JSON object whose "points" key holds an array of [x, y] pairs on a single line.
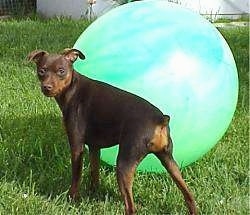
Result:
{"points": [[165, 120]]}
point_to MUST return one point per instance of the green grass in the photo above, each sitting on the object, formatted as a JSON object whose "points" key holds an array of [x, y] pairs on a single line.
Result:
{"points": [[35, 167]]}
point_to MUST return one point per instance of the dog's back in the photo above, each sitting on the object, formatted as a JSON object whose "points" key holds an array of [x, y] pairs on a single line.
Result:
{"points": [[108, 113]]}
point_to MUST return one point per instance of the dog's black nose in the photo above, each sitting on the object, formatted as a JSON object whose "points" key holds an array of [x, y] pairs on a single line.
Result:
{"points": [[47, 87]]}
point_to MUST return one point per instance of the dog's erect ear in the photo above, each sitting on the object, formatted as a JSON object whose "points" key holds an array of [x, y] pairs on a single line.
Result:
{"points": [[72, 54], [36, 55]]}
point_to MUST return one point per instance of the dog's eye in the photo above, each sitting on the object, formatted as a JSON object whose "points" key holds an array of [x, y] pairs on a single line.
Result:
{"points": [[41, 72], [61, 72]]}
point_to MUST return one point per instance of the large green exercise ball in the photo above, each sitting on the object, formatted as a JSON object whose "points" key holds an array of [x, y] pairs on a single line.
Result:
{"points": [[173, 58]]}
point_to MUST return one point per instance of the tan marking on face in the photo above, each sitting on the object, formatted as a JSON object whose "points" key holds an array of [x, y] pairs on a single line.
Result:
{"points": [[159, 140], [63, 84]]}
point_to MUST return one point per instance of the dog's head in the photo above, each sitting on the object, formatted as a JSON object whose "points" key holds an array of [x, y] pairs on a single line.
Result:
{"points": [[54, 70]]}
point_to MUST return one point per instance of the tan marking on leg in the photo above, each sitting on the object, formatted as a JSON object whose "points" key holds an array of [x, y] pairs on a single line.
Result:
{"points": [[125, 177]]}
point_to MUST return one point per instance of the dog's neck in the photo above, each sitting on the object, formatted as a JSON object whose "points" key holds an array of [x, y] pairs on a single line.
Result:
{"points": [[71, 94]]}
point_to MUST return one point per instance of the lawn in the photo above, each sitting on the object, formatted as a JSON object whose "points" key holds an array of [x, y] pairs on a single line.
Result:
{"points": [[35, 168]]}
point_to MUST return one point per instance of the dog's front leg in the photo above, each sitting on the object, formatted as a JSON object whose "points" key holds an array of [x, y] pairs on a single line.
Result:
{"points": [[76, 146], [94, 158]]}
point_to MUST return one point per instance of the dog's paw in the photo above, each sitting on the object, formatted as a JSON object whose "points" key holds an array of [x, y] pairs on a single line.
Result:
{"points": [[73, 195]]}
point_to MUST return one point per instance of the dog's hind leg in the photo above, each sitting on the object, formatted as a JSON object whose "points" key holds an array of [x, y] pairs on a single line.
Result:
{"points": [[166, 158], [127, 162]]}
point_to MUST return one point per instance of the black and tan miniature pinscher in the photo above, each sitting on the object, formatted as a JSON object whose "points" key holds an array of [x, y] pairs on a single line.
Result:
{"points": [[101, 116]]}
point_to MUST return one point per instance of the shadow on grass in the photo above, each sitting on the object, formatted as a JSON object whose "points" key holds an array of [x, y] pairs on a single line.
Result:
{"points": [[35, 155], [34, 152]]}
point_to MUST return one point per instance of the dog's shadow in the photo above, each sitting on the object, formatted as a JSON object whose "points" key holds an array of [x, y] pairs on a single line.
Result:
{"points": [[37, 153]]}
